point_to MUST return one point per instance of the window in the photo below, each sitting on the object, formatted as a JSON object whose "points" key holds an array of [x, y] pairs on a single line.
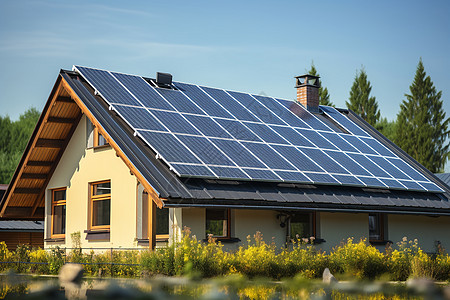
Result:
{"points": [[162, 222], [99, 140], [161, 217], [302, 225], [218, 222], [58, 213], [376, 227], [100, 205]]}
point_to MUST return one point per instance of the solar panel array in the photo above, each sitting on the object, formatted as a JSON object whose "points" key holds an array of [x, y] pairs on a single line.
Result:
{"points": [[213, 133]]}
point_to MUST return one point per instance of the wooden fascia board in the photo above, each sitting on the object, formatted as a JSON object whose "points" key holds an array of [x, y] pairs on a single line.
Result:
{"points": [[31, 144], [113, 144]]}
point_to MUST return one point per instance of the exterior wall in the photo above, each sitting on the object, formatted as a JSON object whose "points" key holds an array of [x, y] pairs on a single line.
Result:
{"points": [[248, 222], [337, 227], [196, 220], [15, 238], [80, 166], [243, 224], [427, 230]]}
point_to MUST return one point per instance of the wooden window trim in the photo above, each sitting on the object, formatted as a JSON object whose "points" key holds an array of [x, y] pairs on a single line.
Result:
{"points": [[92, 199], [54, 204], [380, 217], [96, 139], [224, 237]]}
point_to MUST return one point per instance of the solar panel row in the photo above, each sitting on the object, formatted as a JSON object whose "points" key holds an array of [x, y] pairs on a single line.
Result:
{"points": [[208, 132]]}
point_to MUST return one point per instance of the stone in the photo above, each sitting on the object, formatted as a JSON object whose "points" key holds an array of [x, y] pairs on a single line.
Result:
{"points": [[328, 278], [71, 273]]}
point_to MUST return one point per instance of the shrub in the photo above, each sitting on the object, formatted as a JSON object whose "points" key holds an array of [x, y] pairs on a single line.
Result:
{"points": [[399, 260], [360, 259], [257, 258], [303, 259], [5, 256]]}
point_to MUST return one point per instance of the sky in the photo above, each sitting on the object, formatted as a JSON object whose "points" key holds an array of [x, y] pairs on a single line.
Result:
{"points": [[249, 46]]}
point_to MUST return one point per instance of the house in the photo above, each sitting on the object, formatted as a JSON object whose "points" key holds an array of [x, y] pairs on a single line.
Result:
{"points": [[129, 161], [18, 232]]}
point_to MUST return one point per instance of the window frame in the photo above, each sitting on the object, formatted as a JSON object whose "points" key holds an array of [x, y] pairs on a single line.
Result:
{"points": [[149, 219], [96, 139], [92, 199], [54, 204], [312, 221], [228, 219], [380, 218]]}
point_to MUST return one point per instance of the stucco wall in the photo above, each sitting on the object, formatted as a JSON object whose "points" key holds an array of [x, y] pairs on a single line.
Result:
{"points": [[337, 227], [248, 222], [427, 230], [243, 223], [80, 166]]}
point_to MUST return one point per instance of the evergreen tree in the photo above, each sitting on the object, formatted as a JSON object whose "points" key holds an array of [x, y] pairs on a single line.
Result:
{"points": [[422, 129], [324, 96], [387, 128], [360, 100]]}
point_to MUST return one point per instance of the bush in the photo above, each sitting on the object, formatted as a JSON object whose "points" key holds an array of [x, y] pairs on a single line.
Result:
{"points": [[360, 259], [399, 260], [194, 258]]}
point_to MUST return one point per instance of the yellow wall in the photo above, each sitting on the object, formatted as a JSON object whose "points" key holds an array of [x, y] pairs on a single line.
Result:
{"points": [[80, 166], [426, 229], [243, 223], [337, 227]]}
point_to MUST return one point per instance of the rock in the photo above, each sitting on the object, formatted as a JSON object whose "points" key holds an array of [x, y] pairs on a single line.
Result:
{"points": [[328, 277], [424, 286], [71, 273]]}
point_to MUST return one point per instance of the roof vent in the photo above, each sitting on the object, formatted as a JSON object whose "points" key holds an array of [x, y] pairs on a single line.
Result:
{"points": [[164, 80], [308, 92]]}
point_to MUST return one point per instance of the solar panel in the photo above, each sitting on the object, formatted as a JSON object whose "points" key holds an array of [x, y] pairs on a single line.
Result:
{"points": [[138, 118], [212, 133], [343, 121], [146, 94], [208, 104]]}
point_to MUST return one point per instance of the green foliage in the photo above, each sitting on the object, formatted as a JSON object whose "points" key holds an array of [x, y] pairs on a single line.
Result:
{"points": [[324, 96], [360, 100], [255, 259], [387, 128], [358, 259], [422, 128], [14, 137]]}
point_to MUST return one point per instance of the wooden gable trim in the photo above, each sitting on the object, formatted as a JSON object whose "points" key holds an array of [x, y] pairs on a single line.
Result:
{"points": [[40, 198], [150, 190], [36, 142], [30, 146]]}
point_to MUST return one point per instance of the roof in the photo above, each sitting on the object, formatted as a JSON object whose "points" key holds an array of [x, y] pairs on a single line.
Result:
{"points": [[444, 177], [213, 133], [28, 226], [150, 163]]}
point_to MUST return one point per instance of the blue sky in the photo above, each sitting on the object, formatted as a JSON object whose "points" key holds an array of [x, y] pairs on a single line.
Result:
{"points": [[251, 46]]}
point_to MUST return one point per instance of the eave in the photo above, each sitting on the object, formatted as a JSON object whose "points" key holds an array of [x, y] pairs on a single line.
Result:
{"points": [[24, 198]]}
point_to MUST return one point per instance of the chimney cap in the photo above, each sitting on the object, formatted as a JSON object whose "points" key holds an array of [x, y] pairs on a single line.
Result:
{"points": [[163, 79], [307, 79]]}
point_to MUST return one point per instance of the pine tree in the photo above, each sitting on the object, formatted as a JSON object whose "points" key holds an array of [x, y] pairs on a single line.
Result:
{"points": [[422, 129], [324, 96], [360, 100]]}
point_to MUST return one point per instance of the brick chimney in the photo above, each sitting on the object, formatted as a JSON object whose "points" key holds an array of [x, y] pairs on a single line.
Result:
{"points": [[308, 92]]}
